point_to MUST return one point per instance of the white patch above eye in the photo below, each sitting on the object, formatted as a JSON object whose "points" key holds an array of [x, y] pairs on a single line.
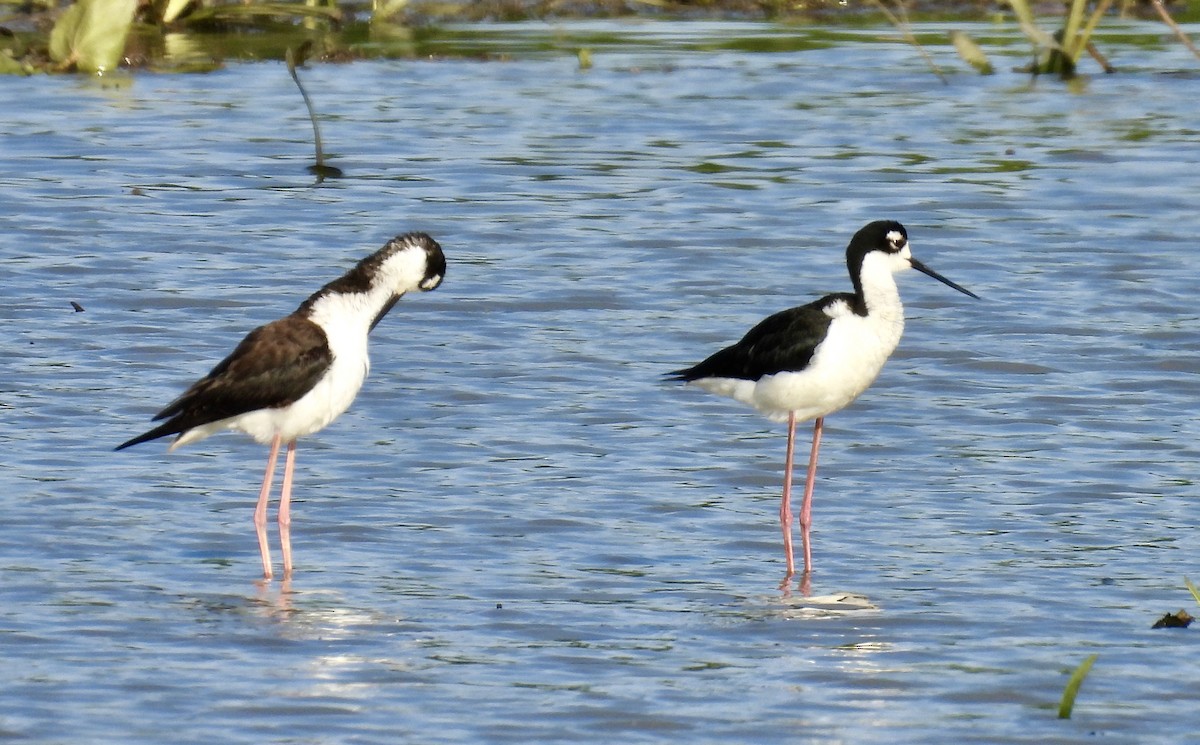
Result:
{"points": [[896, 239]]}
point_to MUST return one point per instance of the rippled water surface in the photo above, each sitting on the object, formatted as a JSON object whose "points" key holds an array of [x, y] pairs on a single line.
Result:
{"points": [[519, 533]]}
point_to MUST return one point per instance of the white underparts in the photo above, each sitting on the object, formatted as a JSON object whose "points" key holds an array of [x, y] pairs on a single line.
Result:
{"points": [[845, 364]]}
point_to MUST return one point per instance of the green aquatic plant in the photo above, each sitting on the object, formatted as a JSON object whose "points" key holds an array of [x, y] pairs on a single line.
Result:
{"points": [[251, 12], [382, 10], [1068, 698], [90, 35], [1192, 589], [1059, 53], [971, 53], [167, 11]]}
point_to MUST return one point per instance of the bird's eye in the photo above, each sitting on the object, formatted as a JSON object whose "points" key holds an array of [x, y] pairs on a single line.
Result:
{"points": [[896, 241]]}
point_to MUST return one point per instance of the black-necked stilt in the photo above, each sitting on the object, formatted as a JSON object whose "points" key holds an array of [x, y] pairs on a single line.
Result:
{"points": [[807, 362], [293, 376]]}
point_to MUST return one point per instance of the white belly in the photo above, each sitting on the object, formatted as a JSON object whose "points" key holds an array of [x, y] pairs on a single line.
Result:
{"points": [[328, 399], [843, 366]]}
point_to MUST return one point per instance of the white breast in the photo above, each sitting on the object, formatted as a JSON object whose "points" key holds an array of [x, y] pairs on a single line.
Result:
{"points": [[851, 356], [843, 366], [329, 398], [345, 320]]}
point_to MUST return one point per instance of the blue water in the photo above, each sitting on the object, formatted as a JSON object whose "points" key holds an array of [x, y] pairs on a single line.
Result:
{"points": [[519, 533]]}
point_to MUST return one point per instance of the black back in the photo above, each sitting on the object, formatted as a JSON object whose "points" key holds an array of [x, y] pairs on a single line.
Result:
{"points": [[274, 366], [784, 341]]}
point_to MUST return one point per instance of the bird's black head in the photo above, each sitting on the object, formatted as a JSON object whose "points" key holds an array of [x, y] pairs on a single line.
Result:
{"points": [[890, 239], [887, 236], [435, 263], [881, 235], [413, 261]]}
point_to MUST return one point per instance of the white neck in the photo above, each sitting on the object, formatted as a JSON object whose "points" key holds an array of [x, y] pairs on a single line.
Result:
{"points": [[349, 312], [880, 292]]}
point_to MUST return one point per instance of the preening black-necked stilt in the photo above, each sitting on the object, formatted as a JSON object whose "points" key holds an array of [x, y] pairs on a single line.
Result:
{"points": [[293, 376], [807, 362]]}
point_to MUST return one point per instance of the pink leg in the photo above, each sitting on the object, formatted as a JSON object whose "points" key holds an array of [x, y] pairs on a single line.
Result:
{"points": [[285, 511], [260, 512], [806, 507], [785, 507]]}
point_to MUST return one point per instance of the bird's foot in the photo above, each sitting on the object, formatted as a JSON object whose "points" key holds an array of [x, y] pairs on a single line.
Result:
{"points": [[805, 584]]}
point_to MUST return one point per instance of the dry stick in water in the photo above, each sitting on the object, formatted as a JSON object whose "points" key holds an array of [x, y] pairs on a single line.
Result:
{"points": [[320, 168], [1101, 9], [901, 23], [1167, 19]]}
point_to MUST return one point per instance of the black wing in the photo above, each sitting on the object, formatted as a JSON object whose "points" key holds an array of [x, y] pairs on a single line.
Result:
{"points": [[275, 365], [783, 341]]}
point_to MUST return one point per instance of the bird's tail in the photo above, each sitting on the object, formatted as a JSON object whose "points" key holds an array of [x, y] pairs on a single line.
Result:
{"points": [[682, 376]]}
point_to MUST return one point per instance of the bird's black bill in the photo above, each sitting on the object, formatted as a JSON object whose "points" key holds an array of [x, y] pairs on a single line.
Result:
{"points": [[926, 270], [391, 303]]}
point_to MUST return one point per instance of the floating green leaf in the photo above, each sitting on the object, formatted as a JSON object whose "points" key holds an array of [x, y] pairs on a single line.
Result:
{"points": [[90, 35], [1072, 689]]}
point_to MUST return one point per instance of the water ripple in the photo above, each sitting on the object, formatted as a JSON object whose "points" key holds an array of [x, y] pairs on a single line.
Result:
{"points": [[518, 533]]}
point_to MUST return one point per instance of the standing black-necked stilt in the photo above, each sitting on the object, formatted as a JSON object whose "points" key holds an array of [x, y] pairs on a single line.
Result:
{"points": [[293, 376], [807, 362]]}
